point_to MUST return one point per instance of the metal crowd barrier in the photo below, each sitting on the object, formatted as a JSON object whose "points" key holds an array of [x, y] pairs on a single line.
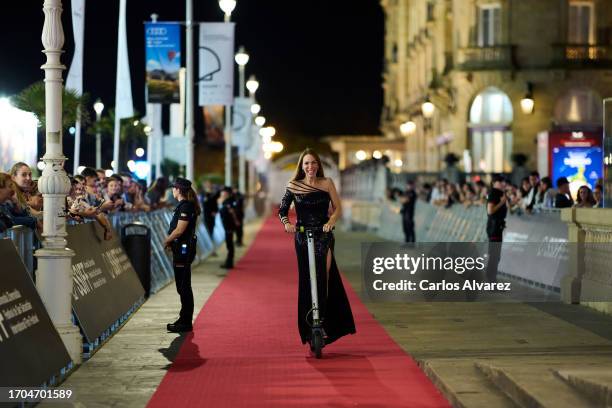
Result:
{"points": [[158, 221], [23, 238]]}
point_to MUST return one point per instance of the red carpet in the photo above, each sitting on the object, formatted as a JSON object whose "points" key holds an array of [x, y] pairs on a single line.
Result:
{"points": [[245, 350]]}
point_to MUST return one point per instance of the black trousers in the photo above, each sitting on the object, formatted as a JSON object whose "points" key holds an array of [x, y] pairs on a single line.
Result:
{"points": [[495, 244], [408, 225], [229, 243], [239, 234], [182, 278]]}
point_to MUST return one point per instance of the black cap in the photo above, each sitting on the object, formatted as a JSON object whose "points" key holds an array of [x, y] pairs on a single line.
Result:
{"points": [[182, 183]]}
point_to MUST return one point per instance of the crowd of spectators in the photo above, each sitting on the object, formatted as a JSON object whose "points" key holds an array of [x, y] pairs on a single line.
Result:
{"points": [[95, 196], [532, 195]]}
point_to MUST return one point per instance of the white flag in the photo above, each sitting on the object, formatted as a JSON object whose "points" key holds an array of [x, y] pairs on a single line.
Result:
{"points": [[123, 98], [74, 80], [123, 91], [216, 58]]}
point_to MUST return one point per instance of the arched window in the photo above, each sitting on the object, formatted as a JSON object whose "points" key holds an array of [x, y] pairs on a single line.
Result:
{"points": [[491, 115]]}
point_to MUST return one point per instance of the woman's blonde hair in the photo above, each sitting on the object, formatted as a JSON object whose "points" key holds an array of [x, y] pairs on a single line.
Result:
{"points": [[299, 171]]}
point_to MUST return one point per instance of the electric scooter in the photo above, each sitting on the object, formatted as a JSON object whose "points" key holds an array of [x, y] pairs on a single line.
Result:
{"points": [[317, 341]]}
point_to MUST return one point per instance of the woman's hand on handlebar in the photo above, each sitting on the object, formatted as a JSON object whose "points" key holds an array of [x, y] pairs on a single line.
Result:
{"points": [[290, 228], [328, 227]]}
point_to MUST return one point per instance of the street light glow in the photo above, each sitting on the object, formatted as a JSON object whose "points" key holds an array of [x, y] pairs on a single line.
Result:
{"points": [[227, 6], [268, 155], [527, 104], [428, 109], [72, 130], [108, 173], [398, 163], [252, 84], [255, 108], [98, 107], [147, 129], [361, 155], [408, 128], [131, 165], [260, 121], [40, 165], [140, 152], [136, 122], [377, 154], [241, 57]]}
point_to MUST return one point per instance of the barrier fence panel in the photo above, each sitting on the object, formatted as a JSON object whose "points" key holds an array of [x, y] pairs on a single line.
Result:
{"points": [[468, 224]]}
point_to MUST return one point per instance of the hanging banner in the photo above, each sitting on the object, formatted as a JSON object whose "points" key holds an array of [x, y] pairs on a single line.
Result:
{"points": [[254, 148], [216, 59], [241, 122], [213, 124], [74, 80], [163, 62]]}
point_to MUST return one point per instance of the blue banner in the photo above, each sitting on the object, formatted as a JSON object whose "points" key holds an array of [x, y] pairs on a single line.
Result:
{"points": [[163, 62]]}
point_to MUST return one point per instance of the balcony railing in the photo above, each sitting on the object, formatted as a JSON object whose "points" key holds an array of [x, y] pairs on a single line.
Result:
{"points": [[583, 55], [483, 58]]}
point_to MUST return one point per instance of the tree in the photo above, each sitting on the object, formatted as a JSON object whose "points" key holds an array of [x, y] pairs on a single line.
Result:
{"points": [[131, 133], [32, 99]]}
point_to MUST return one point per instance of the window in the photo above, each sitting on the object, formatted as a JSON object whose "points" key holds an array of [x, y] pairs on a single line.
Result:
{"points": [[489, 25], [581, 27]]}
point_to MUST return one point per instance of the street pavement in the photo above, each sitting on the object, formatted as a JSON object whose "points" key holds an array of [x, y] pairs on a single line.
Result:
{"points": [[477, 354]]}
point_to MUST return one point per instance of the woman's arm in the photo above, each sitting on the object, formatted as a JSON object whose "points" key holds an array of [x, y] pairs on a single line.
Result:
{"points": [[336, 204], [178, 231], [283, 211]]}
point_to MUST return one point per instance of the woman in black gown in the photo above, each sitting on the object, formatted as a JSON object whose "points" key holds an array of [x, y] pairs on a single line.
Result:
{"points": [[312, 194]]}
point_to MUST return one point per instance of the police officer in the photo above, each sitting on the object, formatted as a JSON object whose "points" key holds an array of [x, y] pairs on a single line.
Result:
{"points": [[230, 223], [182, 241], [496, 222]]}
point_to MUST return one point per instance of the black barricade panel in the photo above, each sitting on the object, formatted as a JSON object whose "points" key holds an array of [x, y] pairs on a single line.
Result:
{"points": [[31, 350], [105, 283]]}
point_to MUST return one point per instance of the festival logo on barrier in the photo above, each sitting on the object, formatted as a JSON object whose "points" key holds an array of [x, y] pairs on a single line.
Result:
{"points": [[24, 327], [105, 283], [163, 62]]}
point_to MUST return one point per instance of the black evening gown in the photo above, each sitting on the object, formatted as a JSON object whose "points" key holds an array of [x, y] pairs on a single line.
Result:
{"points": [[311, 207]]}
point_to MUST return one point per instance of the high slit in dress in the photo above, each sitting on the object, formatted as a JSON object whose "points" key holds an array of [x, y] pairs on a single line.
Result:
{"points": [[311, 207]]}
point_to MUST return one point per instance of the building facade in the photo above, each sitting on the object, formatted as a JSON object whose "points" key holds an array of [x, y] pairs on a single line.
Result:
{"points": [[501, 76]]}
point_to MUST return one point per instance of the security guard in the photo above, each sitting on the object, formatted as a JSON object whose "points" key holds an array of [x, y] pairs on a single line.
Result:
{"points": [[182, 241]]}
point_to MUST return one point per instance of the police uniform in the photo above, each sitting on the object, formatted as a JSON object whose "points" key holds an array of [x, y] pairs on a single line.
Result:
{"points": [[227, 213], [183, 253]]}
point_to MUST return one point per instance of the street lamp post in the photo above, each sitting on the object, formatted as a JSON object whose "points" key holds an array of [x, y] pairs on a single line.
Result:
{"points": [[228, 6], [98, 107], [242, 58], [189, 91], [54, 274], [252, 85]]}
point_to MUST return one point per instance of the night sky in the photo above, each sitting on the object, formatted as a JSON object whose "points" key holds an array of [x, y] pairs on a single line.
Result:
{"points": [[319, 63]]}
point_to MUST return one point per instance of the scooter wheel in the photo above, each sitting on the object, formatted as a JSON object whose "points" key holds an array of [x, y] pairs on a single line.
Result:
{"points": [[317, 343]]}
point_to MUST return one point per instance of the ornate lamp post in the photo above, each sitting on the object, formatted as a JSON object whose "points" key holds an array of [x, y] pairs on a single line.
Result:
{"points": [[54, 274]]}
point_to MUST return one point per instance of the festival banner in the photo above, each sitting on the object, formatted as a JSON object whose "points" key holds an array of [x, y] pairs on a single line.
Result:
{"points": [[241, 122], [216, 57], [163, 62]]}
